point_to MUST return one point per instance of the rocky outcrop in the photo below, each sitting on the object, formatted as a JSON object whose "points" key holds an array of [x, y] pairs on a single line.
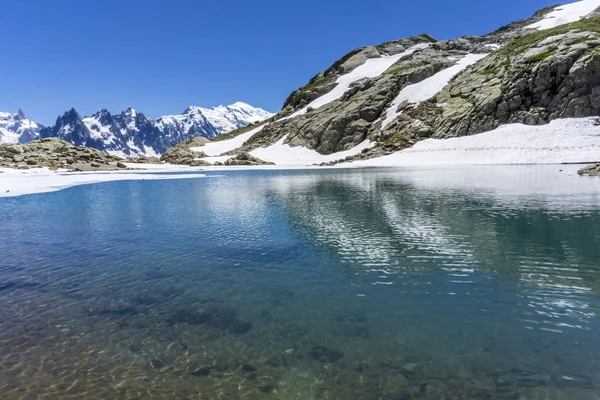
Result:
{"points": [[243, 158], [183, 155], [324, 82], [344, 123], [592, 170], [56, 153], [530, 78]]}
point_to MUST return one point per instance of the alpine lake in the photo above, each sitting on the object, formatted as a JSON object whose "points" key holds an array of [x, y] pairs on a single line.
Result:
{"points": [[383, 284]]}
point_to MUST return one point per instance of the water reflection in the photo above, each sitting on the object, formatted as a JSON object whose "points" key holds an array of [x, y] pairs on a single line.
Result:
{"points": [[297, 285]]}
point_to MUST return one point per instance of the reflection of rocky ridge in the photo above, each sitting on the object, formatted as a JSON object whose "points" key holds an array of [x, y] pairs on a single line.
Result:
{"points": [[405, 224]]}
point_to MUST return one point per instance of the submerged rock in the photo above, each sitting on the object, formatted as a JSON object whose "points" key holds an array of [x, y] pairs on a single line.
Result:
{"points": [[190, 317], [326, 355], [240, 327]]}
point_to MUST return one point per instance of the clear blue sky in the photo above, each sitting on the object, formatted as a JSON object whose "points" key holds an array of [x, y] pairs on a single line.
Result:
{"points": [[161, 56]]}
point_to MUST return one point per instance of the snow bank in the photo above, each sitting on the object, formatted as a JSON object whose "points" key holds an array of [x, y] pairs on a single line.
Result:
{"points": [[42, 180], [284, 154], [566, 14], [429, 87], [372, 68], [561, 141], [219, 147]]}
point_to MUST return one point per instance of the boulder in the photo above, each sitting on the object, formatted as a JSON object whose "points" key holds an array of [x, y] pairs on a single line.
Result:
{"points": [[591, 170], [243, 158]]}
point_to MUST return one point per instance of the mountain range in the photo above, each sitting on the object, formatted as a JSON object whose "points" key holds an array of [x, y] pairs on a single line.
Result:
{"points": [[131, 133]]}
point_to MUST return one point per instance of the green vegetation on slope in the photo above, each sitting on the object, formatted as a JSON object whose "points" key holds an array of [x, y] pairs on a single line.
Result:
{"points": [[521, 44]]}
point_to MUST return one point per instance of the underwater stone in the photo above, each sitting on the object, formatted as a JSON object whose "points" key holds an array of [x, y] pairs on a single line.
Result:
{"points": [[224, 321], [248, 368], [202, 371], [156, 363], [325, 355], [240, 327], [267, 387], [190, 317]]}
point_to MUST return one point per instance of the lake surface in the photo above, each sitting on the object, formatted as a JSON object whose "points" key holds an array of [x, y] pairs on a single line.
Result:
{"points": [[474, 283]]}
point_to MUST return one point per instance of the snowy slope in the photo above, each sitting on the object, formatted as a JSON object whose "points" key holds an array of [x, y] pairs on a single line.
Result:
{"points": [[560, 141], [372, 68], [283, 154], [17, 128], [566, 14], [219, 147], [426, 89]]}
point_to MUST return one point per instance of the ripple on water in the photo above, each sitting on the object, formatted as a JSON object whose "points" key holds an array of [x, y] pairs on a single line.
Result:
{"points": [[295, 285]]}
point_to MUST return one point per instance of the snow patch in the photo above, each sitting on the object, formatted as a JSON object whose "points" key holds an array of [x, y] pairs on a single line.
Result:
{"points": [[97, 130], [217, 148], [371, 68], [574, 140], [566, 14], [426, 89], [42, 180], [284, 154]]}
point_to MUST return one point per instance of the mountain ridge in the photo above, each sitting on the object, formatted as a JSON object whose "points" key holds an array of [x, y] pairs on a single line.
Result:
{"points": [[131, 133], [379, 100]]}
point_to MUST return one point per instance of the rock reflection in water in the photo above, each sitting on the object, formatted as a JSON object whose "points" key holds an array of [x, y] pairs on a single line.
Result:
{"points": [[367, 284]]}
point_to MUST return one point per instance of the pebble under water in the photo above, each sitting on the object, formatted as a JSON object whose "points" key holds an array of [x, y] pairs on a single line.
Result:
{"points": [[472, 283]]}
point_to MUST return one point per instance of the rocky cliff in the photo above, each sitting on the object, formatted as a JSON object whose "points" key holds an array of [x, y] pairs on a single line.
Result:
{"points": [[398, 93]]}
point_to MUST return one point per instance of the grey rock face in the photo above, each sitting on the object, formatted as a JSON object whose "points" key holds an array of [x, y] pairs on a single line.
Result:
{"points": [[243, 158], [182, 155], [324, 82], [529, 77], [591, 170]]}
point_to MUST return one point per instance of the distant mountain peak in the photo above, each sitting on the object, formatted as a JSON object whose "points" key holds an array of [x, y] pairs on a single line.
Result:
{"points": [[17, 128], [130, 133]]}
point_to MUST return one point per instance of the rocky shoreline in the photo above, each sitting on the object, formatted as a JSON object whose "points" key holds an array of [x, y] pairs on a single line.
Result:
{"points": [[55, 153], [590, 170]]}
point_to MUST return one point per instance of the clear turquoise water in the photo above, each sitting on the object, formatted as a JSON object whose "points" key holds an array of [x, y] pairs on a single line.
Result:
{"points": [[364, 284]]}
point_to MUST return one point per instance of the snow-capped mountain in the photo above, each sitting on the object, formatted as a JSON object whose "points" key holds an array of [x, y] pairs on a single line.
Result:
{"points": [[17, 128], [227, 118], [131, 133]]}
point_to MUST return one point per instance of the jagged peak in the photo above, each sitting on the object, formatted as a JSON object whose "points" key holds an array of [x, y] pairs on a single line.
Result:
{"points": [[72, 113], [130, 111], [21, 114], [103, 113], [193, 110]]}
